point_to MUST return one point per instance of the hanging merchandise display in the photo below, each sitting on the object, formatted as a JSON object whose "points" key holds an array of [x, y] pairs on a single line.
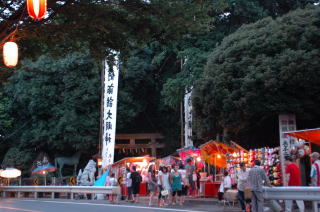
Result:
{"points": [[270, 161], [300, 150], [37, 8]]}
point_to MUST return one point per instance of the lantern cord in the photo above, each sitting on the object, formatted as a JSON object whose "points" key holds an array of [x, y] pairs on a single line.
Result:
{"points": [[12, 34]]}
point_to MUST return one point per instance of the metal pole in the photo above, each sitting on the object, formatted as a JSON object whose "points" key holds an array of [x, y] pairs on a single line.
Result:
{"points": [[181, 120]]}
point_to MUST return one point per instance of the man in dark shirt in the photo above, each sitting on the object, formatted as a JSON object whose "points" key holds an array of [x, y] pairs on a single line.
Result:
{"points": [[136, 180]]}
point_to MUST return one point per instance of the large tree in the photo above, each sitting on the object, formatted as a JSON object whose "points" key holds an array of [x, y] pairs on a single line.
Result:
{"points": [[227, 16], [262, 70]]}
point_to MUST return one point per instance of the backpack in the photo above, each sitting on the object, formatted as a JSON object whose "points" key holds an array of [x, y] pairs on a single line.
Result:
{"points": [[136, 177]]}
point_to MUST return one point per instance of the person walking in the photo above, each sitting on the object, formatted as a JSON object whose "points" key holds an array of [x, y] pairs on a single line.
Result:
{"points": [[129, 185], [176, 185], [256, 178], [152, 183], [184, 182], [160, 184], [166, 185], [292, 179], [113, 182], [242, 184], [315, 174], [190, 168], [136, 180], [315, 169]]}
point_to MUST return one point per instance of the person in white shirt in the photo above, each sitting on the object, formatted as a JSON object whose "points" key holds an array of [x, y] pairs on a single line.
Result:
{"points": [[113, 182], [225, 185], [242, 184], [129, 185], [185, 182]]}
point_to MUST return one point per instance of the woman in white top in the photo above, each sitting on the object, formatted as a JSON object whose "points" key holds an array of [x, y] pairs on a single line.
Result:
{"points": [[166, 183], [113, 182]]}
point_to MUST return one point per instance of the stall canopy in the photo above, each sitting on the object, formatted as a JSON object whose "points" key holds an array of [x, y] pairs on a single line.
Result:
{"points": [[214, 153], [145, 159], [311, 135], [169, 160], [189, 151]]}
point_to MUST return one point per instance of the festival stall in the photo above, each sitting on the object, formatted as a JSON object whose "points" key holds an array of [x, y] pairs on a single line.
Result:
{"points": [[167, 161], [141, 163], [302, 149], [216, 154]]}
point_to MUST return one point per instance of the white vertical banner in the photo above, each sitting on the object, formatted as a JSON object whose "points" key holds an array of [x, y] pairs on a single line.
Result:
{"points": [[287, 122], [110, 95], [188, 118]]}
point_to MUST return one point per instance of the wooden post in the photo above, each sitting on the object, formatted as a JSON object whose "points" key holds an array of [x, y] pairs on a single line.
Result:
{"points": [[153, 147]]}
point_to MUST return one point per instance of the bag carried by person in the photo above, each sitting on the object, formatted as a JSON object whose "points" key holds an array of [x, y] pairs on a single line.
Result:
{"points": [[164, 192], [247, 193]]}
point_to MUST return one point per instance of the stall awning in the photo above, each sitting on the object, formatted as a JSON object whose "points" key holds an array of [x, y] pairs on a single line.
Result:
{"points": [[311, 135], [214, 153]]}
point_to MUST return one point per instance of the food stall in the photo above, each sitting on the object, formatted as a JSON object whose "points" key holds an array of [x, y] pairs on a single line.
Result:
{"points": [[142, 164]]}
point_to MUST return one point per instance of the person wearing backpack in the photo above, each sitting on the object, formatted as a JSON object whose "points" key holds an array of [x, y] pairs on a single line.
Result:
{"points": [[136, 180]]}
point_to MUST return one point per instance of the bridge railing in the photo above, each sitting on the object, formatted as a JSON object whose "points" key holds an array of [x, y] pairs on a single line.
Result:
{"points": [[306, 193], [18, 191]]}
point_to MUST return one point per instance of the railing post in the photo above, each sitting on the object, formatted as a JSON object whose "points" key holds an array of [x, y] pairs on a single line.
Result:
{"points": [[35, 195], [4, 194], [71, 195], [315, 206], [52, 195], [18, 194]]}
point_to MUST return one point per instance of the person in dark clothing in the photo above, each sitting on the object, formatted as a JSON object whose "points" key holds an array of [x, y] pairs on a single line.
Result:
{"points": [[136, 180]]}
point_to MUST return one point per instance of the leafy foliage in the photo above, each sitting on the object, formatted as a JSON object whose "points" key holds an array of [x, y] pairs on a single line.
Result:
{"points": [[262, 70], [54, 103]]}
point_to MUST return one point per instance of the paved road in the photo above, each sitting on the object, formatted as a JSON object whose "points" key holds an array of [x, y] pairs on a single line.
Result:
{"points": [[26, 205]]}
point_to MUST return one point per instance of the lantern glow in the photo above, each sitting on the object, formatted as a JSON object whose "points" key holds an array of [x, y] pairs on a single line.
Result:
{"points": [[219, 156], [10, 54], [37, 8], [10, 173], [99, 160]]}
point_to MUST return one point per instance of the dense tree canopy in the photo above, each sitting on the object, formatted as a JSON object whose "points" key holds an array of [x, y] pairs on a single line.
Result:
{"points": [[51, 102], [262, 70], [228, 16]]}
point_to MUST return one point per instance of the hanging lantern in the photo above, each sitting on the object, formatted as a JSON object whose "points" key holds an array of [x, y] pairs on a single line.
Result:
{"points": [[37, 8], [10, 54]]}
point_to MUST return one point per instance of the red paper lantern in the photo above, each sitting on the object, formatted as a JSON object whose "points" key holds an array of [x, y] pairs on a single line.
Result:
{"points": [[37, 8], [10, 54]]}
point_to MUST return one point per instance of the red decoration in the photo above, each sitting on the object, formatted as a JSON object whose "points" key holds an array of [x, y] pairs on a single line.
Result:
{"points": [[37, 8]]}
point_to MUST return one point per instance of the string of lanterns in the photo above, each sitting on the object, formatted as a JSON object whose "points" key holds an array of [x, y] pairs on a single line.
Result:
{"points": [[36, 10]]}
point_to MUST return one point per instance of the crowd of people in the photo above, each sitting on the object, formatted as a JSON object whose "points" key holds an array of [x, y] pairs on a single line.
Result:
{"points": [[167, 186], [171, 184]]}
